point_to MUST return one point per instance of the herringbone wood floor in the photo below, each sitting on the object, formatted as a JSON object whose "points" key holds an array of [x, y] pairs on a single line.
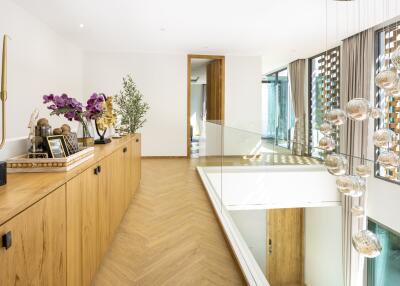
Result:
{"points": [[170, 234]]}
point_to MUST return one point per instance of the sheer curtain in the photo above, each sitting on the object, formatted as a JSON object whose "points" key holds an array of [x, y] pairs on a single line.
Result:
{"points": [[297, 73], [357, 71]]}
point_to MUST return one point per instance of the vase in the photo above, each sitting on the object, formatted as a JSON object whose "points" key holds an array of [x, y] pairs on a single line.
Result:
{"points": [[86, 133]]}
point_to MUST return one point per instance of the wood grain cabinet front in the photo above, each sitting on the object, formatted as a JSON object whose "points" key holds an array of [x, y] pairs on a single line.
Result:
{"points": [[34, 246], [96, 202]]}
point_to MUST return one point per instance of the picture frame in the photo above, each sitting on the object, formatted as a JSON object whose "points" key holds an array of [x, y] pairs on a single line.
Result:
{"points": [[56, 146]]}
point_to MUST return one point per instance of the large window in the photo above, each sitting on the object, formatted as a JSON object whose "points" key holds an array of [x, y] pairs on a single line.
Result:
{"points": [[324, 80], [278, 113], [388, 100], [384, 270]]}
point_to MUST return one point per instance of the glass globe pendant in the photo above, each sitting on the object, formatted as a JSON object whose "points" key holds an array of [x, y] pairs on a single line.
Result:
{"points": [[363, 171], [336, 117], [384, 138], [358, 109], [375, 113], [352, 186], [336, 164], [367, 244], [386, 79], [358, 211], [327, 143], [388, 159], [325, 128]]}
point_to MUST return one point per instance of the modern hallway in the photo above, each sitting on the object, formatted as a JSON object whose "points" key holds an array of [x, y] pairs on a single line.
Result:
{"points": [[169, 235]]}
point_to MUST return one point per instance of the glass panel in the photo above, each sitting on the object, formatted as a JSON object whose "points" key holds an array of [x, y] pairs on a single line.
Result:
{"points": [[277, 109], [384, 270], [269, 106], [385, 99], [324, 93], [283, 129]]}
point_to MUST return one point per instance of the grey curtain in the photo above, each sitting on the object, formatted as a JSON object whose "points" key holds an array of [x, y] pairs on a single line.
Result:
{"points": [[356, 79], [297, 73]]}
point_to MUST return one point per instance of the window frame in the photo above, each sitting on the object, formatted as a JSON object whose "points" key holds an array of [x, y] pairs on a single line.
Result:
{"points": [[310, 96], [377, 99]]}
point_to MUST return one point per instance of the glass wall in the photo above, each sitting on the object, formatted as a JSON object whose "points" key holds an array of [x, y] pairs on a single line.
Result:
{"points": [[384, 270], [324, 81], [278, 113], [389, 100]]}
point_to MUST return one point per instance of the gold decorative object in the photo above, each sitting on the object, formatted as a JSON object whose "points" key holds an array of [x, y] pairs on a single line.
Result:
{"points": [[107, 120]]}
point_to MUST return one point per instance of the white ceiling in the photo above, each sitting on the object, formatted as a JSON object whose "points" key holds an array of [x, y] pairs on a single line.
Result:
{"points": [[278, 30]]}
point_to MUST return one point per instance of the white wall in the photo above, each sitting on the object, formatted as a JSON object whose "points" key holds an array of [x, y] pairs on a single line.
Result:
{"points": [[162, 80], [39, 62], [252, 225], [323, 247], [243, 92]]}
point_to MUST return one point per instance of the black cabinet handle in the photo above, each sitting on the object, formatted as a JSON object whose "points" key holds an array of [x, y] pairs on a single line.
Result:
{"points": [[99, 169], [7, 240], [125, 149], [137, 140], [96, 170]]}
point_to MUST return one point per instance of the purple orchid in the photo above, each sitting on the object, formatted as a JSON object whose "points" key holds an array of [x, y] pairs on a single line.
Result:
{"points": [[95, 106], [72, 109]]}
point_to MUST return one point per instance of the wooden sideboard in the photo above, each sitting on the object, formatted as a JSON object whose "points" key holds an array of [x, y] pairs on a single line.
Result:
{"points": [[61, 224]]}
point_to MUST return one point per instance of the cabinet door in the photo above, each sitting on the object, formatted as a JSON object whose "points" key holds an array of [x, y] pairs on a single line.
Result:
{"points": [[117, 194], [38, 250], [83, 243], [137, 161], [128, 174], [90, 225], [104, 204]]}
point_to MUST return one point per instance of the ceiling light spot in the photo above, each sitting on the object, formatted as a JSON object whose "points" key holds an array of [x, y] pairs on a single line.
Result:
{"points": [[81, 26], [162, 29]]}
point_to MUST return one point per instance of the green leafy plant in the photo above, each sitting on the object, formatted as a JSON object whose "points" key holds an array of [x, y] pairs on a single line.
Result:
{"points": [[130, 105]]}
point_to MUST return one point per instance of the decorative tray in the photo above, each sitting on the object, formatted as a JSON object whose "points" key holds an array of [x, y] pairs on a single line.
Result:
{"points": [[23, 164]]}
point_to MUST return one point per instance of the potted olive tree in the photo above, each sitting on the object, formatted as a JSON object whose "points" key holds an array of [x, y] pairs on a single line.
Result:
{"points": [[130, 105]]}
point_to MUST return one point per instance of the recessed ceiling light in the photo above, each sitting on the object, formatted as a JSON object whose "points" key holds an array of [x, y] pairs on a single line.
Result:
{"points": [[81, 26], [162, 29]]}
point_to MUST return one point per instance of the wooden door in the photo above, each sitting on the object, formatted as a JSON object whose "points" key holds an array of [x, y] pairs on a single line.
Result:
{"points": [[285, 243], [37, 255], [214, 94]]}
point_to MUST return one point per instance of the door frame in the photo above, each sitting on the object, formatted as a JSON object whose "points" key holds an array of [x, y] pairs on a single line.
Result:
{"points": [[189, 75]]}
